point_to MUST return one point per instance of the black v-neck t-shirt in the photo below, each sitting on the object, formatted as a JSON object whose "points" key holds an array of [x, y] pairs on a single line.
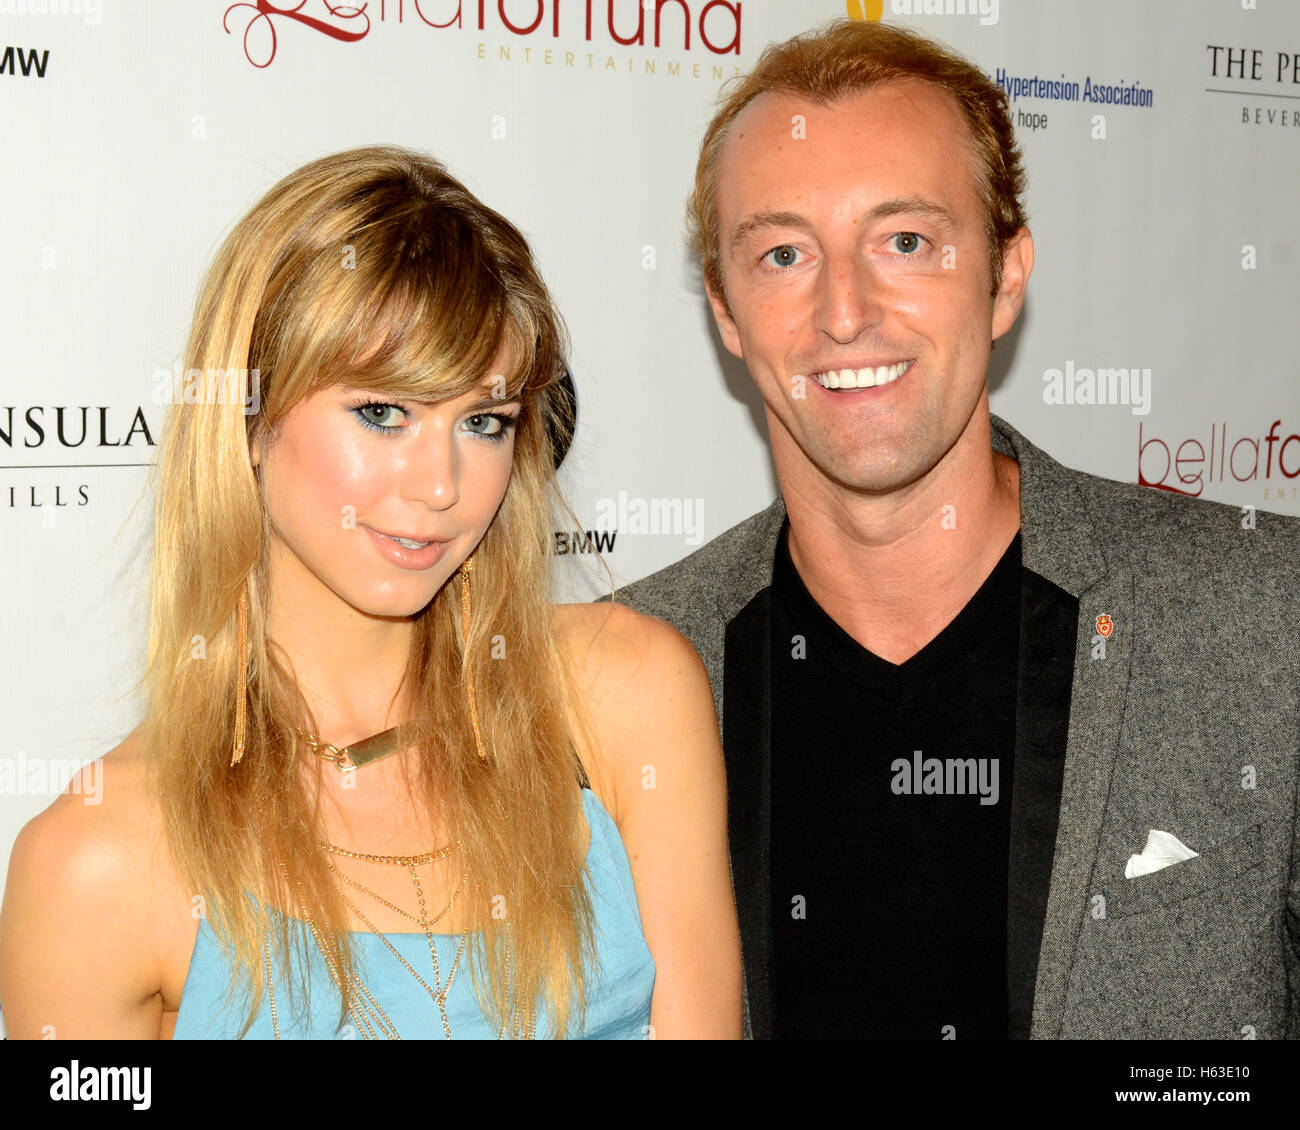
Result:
{"points": [[891, 819]]}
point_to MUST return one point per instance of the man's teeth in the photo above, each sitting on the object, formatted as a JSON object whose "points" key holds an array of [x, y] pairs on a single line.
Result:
{"points": [[409, 543], [862, 378]]}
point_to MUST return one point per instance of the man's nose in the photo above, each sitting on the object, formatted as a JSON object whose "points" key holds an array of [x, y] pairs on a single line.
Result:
{"points": [[849, 297]]}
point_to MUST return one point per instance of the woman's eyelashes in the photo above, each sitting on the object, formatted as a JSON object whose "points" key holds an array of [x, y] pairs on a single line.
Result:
{"points": [[382, 416], [374, 413], [500, 422]]}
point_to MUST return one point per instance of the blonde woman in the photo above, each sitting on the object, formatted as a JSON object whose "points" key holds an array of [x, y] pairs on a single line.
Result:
{"points": [[384, 788]]}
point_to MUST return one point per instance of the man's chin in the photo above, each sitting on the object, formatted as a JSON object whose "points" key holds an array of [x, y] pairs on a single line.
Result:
{"points": [[876, 486], [876, 476]]}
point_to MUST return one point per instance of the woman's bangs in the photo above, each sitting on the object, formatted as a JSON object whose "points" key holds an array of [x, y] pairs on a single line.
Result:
{"points": [[435, 339]]}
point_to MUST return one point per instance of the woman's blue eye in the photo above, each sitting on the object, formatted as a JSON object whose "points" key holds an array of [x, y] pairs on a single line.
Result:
{"points": [[376, 416], [914, 242], [784, 255], [383, 417], [498, 424]]}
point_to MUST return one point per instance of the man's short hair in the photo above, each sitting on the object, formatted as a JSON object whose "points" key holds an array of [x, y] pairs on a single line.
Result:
{"points": [[847, 57]]}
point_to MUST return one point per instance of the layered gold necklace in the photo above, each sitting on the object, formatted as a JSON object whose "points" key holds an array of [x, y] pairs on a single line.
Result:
{"points": [[371, 1019]]}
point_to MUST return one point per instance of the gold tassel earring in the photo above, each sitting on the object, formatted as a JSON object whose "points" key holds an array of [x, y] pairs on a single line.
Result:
{"points": [[241, 699], [465, 568]]}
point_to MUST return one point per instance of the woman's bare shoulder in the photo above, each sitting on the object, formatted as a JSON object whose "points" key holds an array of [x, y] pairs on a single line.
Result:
{"points": [[619, 655], [96, 826], [603, 630], [618, 631], [78, 897], [640, 679]]}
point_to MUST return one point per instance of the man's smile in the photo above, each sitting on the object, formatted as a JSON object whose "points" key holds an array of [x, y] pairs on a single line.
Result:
{"points": [[869, 376]]}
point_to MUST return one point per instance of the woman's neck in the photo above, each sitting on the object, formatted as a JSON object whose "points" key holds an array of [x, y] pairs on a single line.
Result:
{"points": [[348, 665]]}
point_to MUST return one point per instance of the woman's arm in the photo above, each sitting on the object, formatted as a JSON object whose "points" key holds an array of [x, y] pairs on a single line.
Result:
{"points": [[77, 960], [660, 759]]}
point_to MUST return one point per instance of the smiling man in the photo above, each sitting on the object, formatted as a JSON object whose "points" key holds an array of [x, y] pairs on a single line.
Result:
{"points": [[960, 684]]}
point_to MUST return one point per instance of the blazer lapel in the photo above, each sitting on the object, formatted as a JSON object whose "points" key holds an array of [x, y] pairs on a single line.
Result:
{"points": [[1048, 616], [1062, 547], [1096, 710]]}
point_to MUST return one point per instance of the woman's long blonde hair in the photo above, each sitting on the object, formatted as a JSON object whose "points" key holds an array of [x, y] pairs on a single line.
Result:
{"points": [[375, 268]]}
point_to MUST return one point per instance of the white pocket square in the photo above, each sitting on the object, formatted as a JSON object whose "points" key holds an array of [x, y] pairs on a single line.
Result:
{"points": [[1162, 849]]}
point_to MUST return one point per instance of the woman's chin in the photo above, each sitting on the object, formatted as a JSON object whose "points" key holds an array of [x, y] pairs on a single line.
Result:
{"points": [[392, 605]]}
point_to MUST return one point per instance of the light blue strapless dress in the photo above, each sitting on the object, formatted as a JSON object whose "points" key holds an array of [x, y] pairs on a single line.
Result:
{"points": [[618, 988]]}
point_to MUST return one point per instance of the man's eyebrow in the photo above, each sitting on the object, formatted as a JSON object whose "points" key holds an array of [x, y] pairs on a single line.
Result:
{"points": [[913, 206], [760, 220], [898, 206]]}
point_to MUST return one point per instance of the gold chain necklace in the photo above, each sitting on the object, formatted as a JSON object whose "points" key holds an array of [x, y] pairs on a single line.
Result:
{"points": [[440, 991], [440, 994], [393, 906], [392, 860], [365, 1009], [348, 759]]}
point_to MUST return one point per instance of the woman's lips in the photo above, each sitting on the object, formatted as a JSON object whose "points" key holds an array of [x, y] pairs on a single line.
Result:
{"points": [[403, 556]]}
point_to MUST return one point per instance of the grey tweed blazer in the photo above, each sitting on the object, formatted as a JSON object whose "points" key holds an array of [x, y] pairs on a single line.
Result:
{"points": [[1189, 723]]}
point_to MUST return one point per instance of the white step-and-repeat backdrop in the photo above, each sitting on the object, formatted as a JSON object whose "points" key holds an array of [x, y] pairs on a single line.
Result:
{"points": [[1162, 142]]}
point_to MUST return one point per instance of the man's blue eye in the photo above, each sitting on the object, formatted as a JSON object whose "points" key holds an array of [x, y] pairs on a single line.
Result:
{"points": [[784, 255], [912, 239]]}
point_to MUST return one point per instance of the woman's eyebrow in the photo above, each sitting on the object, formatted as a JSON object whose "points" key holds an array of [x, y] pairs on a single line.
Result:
{"points": [[487, 400], [490, 401]]}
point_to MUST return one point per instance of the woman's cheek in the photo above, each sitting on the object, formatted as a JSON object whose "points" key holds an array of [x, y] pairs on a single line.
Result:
{"points": [[343, 470], [495, 478]]}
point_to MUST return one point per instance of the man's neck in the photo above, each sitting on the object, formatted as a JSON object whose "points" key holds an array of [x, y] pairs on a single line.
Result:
{"points": [[894, 571]]}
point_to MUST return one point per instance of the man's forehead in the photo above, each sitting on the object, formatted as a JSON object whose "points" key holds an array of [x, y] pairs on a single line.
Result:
{"points": [[776, 108], [777, 124]]}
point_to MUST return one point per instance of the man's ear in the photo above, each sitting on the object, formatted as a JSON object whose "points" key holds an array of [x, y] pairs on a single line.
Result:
{"points": [[726, 323], [1017, 264]]}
